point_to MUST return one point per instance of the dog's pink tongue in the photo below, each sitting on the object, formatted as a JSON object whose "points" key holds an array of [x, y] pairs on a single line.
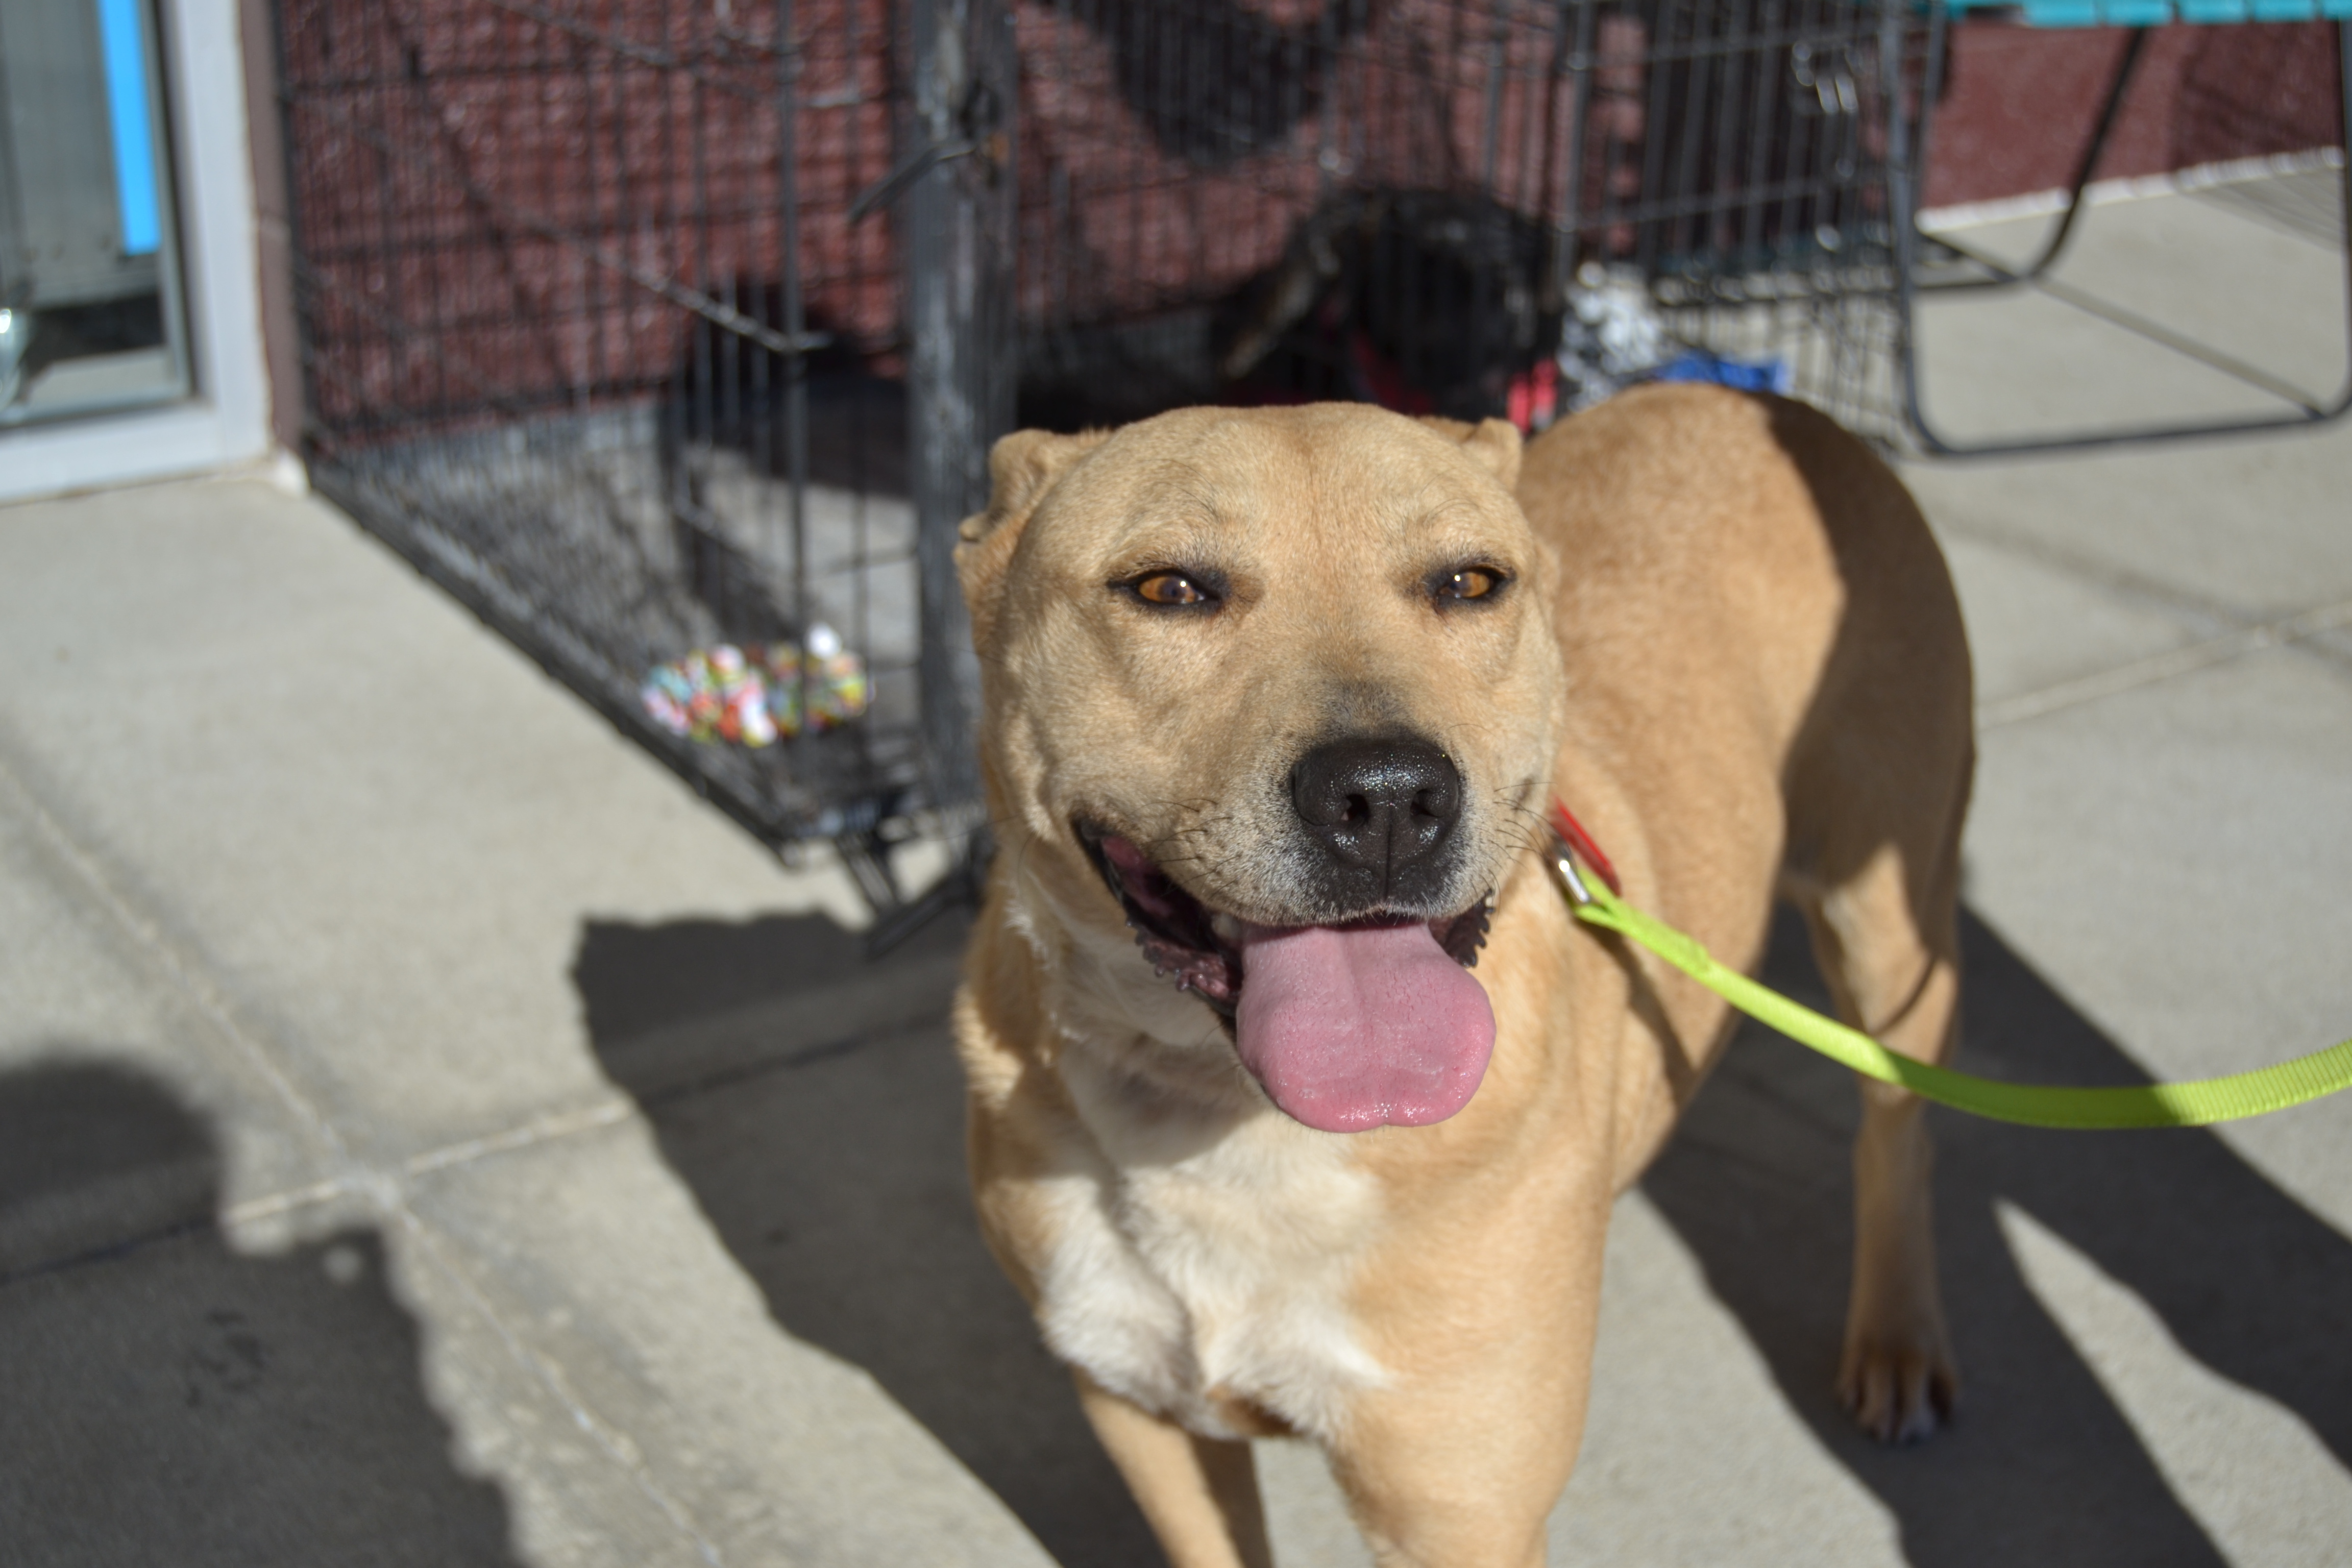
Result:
{"points": [[1351, 1027]]}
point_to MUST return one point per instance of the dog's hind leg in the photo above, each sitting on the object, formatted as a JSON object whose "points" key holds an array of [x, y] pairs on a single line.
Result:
{"points": [[1200, 1496], [1889, 951], [1877, 783]]}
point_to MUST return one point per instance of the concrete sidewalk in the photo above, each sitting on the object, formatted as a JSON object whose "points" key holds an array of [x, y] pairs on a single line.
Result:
{"points": [[429, 1135]]}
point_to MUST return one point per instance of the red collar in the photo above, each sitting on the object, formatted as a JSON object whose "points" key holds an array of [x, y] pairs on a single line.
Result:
{"points": [[1564, 823]]}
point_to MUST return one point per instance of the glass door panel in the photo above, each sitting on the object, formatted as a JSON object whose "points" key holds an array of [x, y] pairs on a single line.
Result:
{"points": [[91, 316]]}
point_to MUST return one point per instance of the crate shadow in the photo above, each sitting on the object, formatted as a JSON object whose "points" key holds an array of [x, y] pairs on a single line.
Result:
{"points": [[812, 1103]]}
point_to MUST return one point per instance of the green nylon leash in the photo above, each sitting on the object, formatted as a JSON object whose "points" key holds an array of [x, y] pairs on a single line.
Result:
{"points": [[2197, 1104]]}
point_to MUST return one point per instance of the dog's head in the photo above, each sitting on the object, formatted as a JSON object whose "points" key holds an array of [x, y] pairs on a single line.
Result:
{"points": [[1278, 690]]}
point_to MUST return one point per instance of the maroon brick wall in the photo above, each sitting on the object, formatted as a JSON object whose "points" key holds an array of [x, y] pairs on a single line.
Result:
{"points": [[2021, 102], [480, 191]]}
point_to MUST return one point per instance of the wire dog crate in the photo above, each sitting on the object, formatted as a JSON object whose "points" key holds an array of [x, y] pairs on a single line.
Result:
{"points": [[655, 326], [590, 337]]}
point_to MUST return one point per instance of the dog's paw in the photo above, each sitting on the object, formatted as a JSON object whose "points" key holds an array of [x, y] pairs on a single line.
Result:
{"points": [[1899, 1388]]}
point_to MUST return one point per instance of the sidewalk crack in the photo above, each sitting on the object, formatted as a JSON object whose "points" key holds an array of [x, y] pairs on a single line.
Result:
{"points": [[2285, 631], [185, 973]]}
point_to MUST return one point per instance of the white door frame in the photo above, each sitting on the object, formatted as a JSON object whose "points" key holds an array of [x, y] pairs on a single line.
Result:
{"points": [[226, 423]]}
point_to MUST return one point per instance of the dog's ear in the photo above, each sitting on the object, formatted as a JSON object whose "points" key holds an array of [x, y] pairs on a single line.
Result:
{"points": [[1021, 468], [1494, 442]]}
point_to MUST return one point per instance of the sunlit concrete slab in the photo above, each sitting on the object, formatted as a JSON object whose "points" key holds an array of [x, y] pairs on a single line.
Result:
{"points": [[2113, 334], [2035, 626], [2218, 275], [90, 997], [2177, 857], [376, 823], [2224, 531], [2022, 365]]}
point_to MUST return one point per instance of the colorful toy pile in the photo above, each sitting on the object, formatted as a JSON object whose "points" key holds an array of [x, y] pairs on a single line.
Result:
{"points": [[751, 695]]}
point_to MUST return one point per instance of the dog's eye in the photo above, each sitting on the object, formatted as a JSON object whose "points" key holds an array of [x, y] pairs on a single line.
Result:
{"points": [[1469, 583], [1171, 588]]}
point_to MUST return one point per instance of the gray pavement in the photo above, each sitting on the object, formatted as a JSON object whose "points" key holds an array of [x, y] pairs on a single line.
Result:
{"points": [[429, 1135], [300, 862]]}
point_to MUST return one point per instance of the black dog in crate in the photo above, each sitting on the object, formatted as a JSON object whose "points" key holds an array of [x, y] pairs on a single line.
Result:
{"points": [[1429, 301]]}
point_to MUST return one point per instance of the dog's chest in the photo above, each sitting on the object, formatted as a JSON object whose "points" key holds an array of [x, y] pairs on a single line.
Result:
{"points": [[1208, 1280]]}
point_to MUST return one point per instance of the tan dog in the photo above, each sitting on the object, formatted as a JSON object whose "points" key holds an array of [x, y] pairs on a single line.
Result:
{"points": [[1273, 703]]}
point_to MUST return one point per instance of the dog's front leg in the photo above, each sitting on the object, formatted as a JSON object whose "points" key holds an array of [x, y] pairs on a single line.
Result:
{"points": [[1459, 1487], [1198, 1495], [1456, 1463]]}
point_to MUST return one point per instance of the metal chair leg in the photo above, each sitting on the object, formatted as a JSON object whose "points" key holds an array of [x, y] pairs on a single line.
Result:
{"points": [[1906, 181], [2110, 109]]}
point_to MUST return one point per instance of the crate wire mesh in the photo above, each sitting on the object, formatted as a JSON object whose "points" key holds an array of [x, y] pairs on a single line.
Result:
{"points": [[589, 335], [598, 333], [1412, 197]]}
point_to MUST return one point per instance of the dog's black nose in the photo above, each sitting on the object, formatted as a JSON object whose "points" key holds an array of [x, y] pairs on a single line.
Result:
{"points": [[1382, 808]]}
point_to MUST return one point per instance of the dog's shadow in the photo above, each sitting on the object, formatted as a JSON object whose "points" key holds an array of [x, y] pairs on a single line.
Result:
{"points": [[814, 1105], [2042, 1467]]}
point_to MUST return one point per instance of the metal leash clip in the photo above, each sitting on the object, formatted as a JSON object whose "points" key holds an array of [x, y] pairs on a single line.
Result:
{"points": [[1570, 844], [1563, 864]]}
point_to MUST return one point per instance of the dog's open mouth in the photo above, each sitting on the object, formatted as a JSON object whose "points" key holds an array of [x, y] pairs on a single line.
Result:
{"points": [[1369, 1023]]}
